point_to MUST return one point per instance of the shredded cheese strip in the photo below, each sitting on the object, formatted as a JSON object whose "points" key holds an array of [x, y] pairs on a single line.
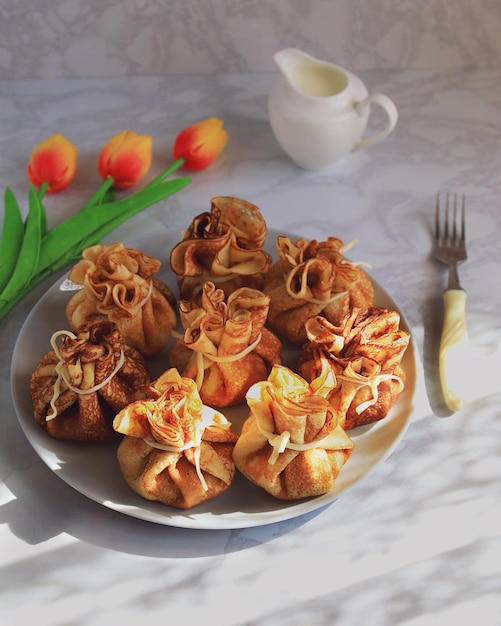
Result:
{"points": [[61, 377], [322, 302], [349, 246], [217, 280], [234, 357], [147, 296], [373, 383], [333, 298], [230, 358], [325, 302], [208, 419], [190, 444], [55, 395], [282, 441], [359, 263], [167, 448], [196, 455]]}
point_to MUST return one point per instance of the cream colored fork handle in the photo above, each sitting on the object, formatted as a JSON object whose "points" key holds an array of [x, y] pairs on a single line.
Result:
{"points": [[452, 344]]}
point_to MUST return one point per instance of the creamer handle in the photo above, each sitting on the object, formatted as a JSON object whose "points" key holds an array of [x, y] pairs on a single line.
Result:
{"points": [[391, 111], [453, 345]]}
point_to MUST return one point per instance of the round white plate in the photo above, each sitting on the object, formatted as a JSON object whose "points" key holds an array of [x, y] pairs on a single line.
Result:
{"points": [[92, 469]]}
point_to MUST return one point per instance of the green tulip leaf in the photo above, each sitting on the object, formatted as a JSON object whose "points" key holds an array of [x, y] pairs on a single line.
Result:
{"points": [[27, 260], [30, 254], [12, 237]]}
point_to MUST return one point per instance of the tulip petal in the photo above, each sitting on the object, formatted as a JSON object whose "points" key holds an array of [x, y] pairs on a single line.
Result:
{"points": [[200, 144], [54, 161], [126, 158]]}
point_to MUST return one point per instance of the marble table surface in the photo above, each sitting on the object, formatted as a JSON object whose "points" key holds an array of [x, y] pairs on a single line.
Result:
{"points": [[417, 541]]}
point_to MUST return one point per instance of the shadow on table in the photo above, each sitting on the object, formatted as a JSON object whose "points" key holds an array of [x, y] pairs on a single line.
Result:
{"points": [[431, 344], [45, 506]]}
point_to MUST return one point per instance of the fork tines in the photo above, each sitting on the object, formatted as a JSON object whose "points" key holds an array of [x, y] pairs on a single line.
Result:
{"points": [[444, 235]]}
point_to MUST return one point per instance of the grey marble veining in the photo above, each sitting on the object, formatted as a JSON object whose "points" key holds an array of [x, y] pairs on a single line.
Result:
{"points": [[417, 542], [73, 38]]}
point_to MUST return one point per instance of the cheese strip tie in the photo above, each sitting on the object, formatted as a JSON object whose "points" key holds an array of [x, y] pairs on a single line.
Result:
{"points": [[190, 444], [230, 358], [147, 296], [61, 377], [282, 441], [206, 422], [325, 302], [217, 280], [348, 246], [373, 383], [333, 298]]}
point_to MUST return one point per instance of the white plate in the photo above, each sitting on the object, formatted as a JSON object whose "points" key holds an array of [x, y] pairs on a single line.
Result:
{"points": [[92, 469]]}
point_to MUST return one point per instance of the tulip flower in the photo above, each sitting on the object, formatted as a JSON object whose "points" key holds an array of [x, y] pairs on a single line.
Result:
{"points": [[125, 159], [200, 144], [52, 164]]}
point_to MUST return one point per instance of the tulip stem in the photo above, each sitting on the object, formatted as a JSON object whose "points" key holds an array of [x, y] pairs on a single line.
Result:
{"points": [[167, 172], [42, 190], [40, 195], [95, 199]]}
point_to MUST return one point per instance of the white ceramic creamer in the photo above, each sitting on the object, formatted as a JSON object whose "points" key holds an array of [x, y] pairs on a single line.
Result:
{"points": [[318, 111]]}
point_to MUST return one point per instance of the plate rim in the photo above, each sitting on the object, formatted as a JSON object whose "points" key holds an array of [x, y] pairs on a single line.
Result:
{"points": [[207, 520]]}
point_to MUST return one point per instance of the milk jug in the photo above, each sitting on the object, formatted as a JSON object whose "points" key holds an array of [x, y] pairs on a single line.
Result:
{"points": [[319, 111]]}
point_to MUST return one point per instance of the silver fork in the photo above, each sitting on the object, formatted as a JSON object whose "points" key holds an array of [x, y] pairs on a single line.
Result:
{"points": [[450, 243], [450, 248]]}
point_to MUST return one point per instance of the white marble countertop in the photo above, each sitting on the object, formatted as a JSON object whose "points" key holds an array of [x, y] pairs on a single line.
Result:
{"points": [[417, 542]]}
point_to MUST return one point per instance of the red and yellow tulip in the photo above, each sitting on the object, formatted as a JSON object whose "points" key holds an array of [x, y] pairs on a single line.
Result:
{"points": [[53, 164], [200, 144], [125, 158]]}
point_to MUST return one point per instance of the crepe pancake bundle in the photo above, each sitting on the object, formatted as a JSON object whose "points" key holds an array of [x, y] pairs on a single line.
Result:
{"points": [[225, 346], [292, 445], [224, 246], [119, 285], [78, 387], [364, 354], [313, 278], [176, 450]]}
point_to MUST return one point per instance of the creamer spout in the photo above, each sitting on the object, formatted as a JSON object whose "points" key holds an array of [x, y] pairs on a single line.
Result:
{"points": [[290, 60]]}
